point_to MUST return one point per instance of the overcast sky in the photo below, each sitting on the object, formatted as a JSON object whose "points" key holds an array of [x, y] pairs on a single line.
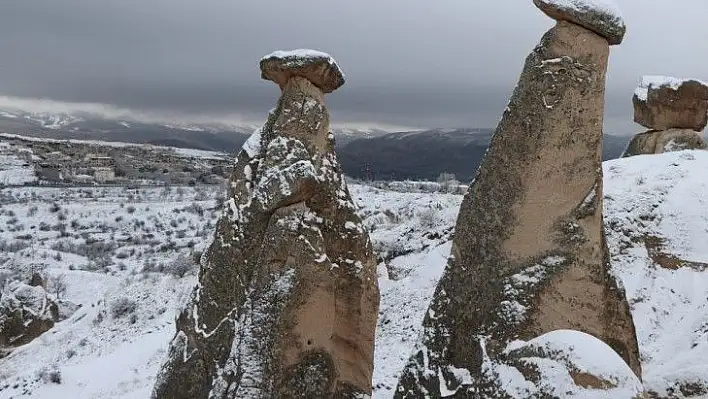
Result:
{"points": [[419, 63]]}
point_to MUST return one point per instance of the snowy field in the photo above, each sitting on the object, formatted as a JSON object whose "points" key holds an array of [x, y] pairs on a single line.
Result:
{"points": [[14, 171], [105, 247], [656, 216]]}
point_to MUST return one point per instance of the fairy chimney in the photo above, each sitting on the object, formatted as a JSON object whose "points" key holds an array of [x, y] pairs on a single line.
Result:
{"points": [[675, 110], [287, 299], [529, 254]]}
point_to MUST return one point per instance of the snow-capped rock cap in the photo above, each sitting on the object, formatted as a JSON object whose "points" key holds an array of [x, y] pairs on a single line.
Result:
{"points": [[664, 102], [317, 67], [656, 82], [600, 16]]}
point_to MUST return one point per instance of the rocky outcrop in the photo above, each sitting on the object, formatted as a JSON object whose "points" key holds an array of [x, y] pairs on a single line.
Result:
{"points": [[287, 300], [660, 141], [599, 16], [579, 365], [529, 254], [676, 111], [26, 312], [662, 103]]}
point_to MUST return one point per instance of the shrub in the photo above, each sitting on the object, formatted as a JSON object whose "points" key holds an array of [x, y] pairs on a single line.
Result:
{"points": [[13, 246], [49, 375], [123, 306], [180, 266], [58, 285], [429, 218]]}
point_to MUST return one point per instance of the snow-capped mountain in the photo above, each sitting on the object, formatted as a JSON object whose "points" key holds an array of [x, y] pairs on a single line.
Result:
{"points": [[365, 152]]}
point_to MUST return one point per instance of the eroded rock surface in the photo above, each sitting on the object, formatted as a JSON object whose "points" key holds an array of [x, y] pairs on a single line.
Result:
{"points": [[600, 16], [675, 109], [287, 299], [579, 365], [658, 142], [529, 254], [26, 312], [662, 103], [317, 67]]}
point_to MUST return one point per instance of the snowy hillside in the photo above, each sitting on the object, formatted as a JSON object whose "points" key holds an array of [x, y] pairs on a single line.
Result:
{"points": [[14, 171], [126, 256], [656, 215]]}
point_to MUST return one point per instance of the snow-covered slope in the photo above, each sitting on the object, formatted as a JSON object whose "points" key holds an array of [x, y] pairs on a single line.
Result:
{"points": [[656, 216], [101, 352], [15, 171]]}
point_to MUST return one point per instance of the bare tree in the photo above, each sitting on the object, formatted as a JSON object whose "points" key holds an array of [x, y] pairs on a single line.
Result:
{"points": [[58, 285]]}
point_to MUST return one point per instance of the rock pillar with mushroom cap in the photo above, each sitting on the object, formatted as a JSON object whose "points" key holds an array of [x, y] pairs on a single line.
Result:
{"points": [[287, 300], [529, 255], [676, 111]]}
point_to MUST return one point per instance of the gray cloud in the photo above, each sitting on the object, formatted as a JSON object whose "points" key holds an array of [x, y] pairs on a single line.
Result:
{"points": [[412, 62]]}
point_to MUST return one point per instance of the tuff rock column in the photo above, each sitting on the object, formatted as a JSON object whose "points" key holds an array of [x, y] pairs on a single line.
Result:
{"points": [[529, 255], [676, 111], [287, 299]]}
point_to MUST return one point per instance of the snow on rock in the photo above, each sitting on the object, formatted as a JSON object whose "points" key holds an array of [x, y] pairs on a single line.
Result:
{"points": [[568, 364], [604, 7], [15, 171], [650, 82], [315, 66], [662, 196], [300, 55], [656, 218], [403, 305], [601, 16], [252, 146]]}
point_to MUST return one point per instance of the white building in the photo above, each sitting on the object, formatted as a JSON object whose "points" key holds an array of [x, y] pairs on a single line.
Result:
{"points": [[104, 174]]}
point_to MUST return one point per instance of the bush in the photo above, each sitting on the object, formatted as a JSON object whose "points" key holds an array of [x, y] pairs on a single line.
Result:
{"points": [[49, 375], [429, 218], [123, 306], [13, 246], [180, 266], [100, 263], [58, 285]]}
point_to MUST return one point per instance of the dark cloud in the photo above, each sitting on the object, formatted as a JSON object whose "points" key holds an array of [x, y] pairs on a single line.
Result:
{"points": [[413, 62]]}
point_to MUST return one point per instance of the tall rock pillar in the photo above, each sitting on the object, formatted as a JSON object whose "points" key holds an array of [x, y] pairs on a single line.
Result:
{"points": [[529, 255], [287, 299], [676, 111]]}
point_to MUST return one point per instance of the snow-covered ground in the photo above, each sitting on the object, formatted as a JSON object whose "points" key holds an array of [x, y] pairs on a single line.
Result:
{"points": [[656, 211], [182, 152], [101, 352], [14, 170]]}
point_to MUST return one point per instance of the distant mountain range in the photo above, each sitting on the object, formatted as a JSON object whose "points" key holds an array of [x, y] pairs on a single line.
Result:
{"points": [[364, 154]]}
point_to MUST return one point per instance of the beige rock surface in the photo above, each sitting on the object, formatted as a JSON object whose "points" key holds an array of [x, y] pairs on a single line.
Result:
{"points": [[529, 254], [26, 312], [317, 67], [662, 103], [599, 16], [659, 142], [287, 299]]}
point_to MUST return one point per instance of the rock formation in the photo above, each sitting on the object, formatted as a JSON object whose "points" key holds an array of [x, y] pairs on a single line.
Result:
{"points": [[529, 254], [660, 141], [579, 365], [287, 300], [26, 312], [676, 111]]}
